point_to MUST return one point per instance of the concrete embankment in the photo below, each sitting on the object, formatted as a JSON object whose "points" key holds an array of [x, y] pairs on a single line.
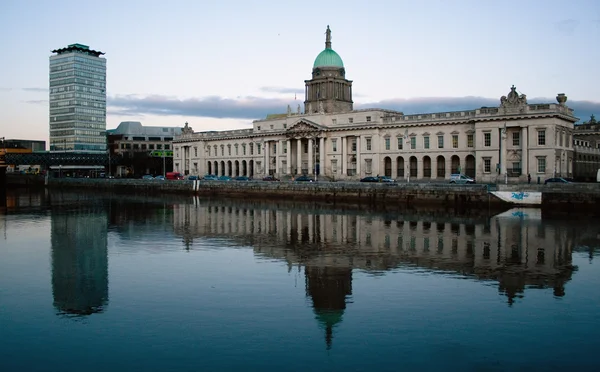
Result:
{"points": [[335, 192]]}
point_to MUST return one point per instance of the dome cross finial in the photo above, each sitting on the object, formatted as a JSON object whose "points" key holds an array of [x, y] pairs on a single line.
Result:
{"points": [[328, 38]]}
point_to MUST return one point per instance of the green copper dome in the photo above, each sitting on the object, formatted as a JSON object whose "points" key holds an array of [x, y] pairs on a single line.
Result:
{"points": [[328, 58]]}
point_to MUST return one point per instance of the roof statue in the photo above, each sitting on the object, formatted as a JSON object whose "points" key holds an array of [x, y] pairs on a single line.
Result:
{"points": [[187, 129], [328, 38], [513, 99]]}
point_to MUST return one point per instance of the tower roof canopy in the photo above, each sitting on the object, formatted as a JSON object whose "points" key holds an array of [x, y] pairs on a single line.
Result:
{"points": [[328, 57]]}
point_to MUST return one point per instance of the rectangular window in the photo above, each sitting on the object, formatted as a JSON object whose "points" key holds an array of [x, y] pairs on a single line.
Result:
{"points": [[440, 142], [487, 139], [487, 165], [400, 142], [334, 145], [516, 139], [541, 138], [275, 149], [258, 149], [516, 167], [455, 141], [413, 143], [229, 150], [368, 144], [387, 143], [284, 145], [167, 147], [251, 149], [350, 120], [334, 121], [541, 164], [426, 142], [368, 119], [237, 150], [258, 128], [195, 151], [244, 149], [354, 145], [470, 140]]}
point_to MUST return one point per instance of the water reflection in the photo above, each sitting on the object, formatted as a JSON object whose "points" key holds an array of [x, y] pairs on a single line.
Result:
{"points": [[79, 260]]}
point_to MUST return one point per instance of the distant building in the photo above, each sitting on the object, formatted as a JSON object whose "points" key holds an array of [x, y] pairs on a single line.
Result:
{"points": [[586, 143], [21, 144], [333, 140], [143, 146], [77, 100]]}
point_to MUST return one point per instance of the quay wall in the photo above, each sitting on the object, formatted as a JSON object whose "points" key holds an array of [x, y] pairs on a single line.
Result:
{"points": [[334, 192]]}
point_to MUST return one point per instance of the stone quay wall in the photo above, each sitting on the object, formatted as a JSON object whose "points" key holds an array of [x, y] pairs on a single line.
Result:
{"points": [[335, 192]]}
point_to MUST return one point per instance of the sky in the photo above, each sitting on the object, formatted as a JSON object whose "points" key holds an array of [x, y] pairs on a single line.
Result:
{"points": [[220, 65]]}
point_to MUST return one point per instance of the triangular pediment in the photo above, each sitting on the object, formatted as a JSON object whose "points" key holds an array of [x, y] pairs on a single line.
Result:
{"points": [[304, 125]]}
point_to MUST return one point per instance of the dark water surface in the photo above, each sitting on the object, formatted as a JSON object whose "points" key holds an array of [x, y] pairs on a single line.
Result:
{"points": [[100, 283]]}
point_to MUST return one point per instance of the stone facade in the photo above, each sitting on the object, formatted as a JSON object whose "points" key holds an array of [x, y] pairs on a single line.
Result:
{"points": [[334, 141]]}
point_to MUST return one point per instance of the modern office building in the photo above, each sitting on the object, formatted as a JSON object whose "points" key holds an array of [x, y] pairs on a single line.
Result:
{"points": [[77, 100]]}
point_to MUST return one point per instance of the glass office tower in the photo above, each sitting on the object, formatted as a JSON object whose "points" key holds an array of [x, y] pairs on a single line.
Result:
{"points": [[77, 100]]}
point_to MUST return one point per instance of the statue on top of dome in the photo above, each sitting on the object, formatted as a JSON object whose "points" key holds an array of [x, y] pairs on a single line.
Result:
{"points": [[328, 38]]}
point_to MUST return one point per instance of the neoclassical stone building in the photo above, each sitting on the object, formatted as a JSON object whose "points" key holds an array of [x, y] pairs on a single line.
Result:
{"points": [[332, 140]]}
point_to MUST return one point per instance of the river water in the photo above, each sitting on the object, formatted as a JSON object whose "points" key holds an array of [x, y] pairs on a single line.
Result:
{"points": [[94, 282]]}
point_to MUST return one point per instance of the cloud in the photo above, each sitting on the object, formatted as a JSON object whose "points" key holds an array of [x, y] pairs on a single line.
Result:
{"points": [[282, 90], [38, 102], [214, 107], [34, 89], [567, 26]]}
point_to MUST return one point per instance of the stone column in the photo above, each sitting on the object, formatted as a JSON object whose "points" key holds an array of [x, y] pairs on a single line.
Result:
{"points": [[310, 156], [267, 150], [299, 156], [289, 156], [344, 165], [525, 150], [502, 152], [358, 157], [322, 155]]}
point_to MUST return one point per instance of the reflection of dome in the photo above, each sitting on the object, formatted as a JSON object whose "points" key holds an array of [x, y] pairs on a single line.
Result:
{"points": [[328, 58], [328, 287]]}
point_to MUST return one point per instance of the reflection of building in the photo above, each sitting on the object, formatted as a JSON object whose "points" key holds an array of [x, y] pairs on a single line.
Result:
{"points": [[77, 100], [330, 138], [517, 252], [79, 261]]}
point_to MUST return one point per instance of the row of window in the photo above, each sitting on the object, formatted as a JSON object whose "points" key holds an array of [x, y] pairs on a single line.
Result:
{"points": [[80, 125], [66, 103], [144, 146], [87, 75], [78, 66], [92, 83], [79, 118], [77, 110], [78, 132]]}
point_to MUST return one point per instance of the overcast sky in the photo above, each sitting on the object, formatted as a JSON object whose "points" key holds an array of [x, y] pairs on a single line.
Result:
{"points": [[221, 64]]}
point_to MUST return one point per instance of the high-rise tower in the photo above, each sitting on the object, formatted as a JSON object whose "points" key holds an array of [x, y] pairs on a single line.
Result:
{"points": [[77, 100], [328, 91]]}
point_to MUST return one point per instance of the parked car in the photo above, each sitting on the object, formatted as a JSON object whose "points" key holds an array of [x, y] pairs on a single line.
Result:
{"points": [[210, 177], [270, 178], [192, 178], [160, 178], [304, 179], [461, 179], [386, 179], [242, 178], [556, 180], [147, 177], [224, 178], [369, 179]]}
